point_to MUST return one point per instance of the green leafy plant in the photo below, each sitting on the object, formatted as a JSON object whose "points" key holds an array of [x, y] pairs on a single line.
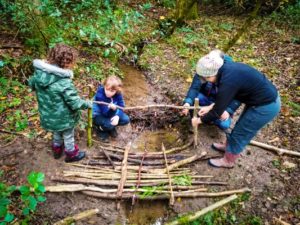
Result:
{"points": [[150, 191], [184, 180], [22, 208]]}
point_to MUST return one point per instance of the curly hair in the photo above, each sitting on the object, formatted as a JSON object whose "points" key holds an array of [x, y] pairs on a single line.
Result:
{"points": [[62, 55]]}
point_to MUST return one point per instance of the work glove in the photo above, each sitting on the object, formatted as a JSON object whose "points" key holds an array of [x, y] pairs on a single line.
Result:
{"points": [[89, 104], [114, 120], [112, 106], [185, 111]]}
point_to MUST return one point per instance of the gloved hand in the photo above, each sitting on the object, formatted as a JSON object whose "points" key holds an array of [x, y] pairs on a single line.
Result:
{"points": [[114, 120], [112, 106], [185, 111]]}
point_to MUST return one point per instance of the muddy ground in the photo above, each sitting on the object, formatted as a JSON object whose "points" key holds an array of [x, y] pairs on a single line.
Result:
{"points": [[275, 189]]}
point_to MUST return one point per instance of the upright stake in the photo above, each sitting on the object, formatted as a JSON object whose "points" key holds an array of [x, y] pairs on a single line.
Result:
{"points": [[90, 119], [196, 106]]}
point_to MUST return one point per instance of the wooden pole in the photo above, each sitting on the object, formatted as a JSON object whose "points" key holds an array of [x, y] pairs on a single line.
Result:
{"points": [[77, 217], [167, 196], [280, 151], [147, 106], [172, 200], [196, 106], [196, 215], [90, 119]]}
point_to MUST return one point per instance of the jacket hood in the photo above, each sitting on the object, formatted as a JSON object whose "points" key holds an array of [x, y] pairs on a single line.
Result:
{"points": [[47, 74]]}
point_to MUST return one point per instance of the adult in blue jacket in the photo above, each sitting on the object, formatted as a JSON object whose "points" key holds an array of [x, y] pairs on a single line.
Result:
{"points": [[245, 84], [206, 93]]}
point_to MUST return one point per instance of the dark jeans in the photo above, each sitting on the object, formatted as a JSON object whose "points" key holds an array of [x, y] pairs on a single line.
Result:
{"points": [[104, 123], [233, 106], [250, 122]]}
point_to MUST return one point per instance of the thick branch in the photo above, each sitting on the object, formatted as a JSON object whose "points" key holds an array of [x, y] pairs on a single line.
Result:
{"points": [[190, 218]]}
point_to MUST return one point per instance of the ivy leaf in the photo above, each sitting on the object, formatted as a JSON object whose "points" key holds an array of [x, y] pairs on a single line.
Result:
{"points": [[41, 188], [4, 201], [11, 188], [3, 210], [9, 217], [24, 190], [41, 198], [25, 211], [1, 63], [32, 203], [106, 52], [32, 178], [40, 177]]}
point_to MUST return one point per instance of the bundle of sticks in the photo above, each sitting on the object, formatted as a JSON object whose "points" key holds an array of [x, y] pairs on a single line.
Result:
{"points": [[117, 173]]}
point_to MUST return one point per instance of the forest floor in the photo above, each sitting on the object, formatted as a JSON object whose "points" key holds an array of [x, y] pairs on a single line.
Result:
{"points": [[166, 72]]}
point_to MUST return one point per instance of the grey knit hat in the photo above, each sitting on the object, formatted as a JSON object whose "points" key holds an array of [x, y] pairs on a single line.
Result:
{"points": [[209, 65]]}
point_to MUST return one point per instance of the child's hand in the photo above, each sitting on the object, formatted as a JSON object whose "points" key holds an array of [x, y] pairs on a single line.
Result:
{"points": [[114, 120], [185, 111], [112, 106]]}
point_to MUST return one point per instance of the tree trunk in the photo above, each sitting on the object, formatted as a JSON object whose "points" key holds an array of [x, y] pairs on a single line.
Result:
{"points": [[186, 9], [245, 27]]}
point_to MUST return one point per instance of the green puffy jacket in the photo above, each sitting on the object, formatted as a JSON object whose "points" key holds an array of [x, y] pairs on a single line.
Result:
{"points": [[58, 101]]}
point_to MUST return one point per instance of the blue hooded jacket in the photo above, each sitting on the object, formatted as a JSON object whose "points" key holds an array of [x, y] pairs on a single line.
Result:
{"points": [[103, 110]]}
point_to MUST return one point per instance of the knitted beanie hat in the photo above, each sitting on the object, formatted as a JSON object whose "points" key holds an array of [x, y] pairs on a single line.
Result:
{"points": [[209, 65]]}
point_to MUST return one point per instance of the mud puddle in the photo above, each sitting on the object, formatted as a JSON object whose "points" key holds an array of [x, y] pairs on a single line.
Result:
{"points": [[138, 92]]}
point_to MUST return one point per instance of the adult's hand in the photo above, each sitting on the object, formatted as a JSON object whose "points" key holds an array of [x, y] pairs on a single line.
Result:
{"points": [[196, 121], [114, 120], [185, 111], [205, 109]]}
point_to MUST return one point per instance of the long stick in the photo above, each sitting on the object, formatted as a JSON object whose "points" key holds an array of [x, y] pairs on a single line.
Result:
{"points": [[79, 216], [196, 215], [146, 106], [127, 184], [280, 151], [90, 119], [196, 105], [166, 196], [172, 200], [81, 187]]}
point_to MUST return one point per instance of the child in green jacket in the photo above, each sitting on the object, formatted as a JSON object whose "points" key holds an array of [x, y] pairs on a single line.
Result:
{"points": [[58, 101]]}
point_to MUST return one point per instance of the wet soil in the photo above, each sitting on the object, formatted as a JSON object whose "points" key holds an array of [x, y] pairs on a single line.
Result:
{"points": [[273, 188]]}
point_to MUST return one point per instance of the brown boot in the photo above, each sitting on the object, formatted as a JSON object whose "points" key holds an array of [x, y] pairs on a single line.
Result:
{"points": [[227, 161], [221, 147]]}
